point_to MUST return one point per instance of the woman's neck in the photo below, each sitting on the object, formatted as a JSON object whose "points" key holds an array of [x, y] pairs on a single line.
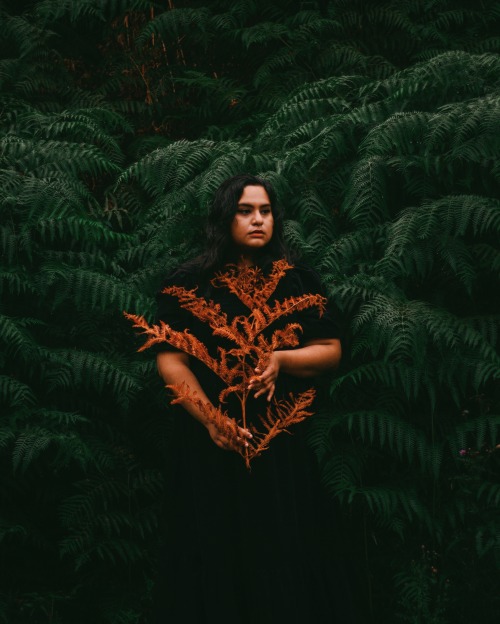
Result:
{"points": [[245, 261]]}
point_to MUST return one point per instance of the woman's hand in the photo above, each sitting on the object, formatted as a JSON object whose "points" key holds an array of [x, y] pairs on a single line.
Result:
{"points": [[313, 358], [264, 381], [226, 443]]}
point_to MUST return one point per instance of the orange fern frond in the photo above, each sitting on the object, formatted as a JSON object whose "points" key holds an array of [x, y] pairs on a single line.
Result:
{"points": [[258, 321], [228, 371], [184, 341], [236, 366], [280, 267], [231, 389], [205, 310], [279, 416], [230, 334], [239, 283], [250, 284], [294, 304], [243, 327], [222, 421], [286, 337]]}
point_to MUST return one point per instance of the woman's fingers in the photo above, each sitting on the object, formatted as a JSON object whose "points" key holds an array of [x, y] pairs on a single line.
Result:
{"points": [[264, 382], [266, 389], [229, 443]]}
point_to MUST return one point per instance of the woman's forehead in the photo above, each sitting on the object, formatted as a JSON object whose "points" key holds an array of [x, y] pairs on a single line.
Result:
{"points": [[254, 195]]}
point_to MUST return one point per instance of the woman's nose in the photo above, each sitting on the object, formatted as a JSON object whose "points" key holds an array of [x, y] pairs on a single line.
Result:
{"points": [[257, 217]]}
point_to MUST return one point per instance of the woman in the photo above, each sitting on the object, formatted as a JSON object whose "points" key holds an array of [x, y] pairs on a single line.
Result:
{"points": [[245, 547]]}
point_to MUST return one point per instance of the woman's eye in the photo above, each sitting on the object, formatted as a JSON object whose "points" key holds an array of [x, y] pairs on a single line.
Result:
{"points": [[243, 211]]}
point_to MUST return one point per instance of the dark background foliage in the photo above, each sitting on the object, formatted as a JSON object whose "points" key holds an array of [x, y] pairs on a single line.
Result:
{"points": [[378, 124]]}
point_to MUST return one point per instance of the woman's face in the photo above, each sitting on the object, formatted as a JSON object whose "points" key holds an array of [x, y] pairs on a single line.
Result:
{"points": [[252, 225]]}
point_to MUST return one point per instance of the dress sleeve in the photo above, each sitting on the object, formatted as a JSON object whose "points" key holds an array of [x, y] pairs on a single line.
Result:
{"points": [[313, 325]]}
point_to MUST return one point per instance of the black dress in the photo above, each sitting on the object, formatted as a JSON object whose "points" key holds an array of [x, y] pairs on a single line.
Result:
{"points": [[242, 547]]}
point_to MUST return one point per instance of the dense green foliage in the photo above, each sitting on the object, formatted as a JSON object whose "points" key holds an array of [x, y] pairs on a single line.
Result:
{"points": [[378, 124]]}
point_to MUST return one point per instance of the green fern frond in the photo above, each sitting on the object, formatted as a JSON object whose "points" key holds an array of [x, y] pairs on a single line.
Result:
{"points": [[95, 518], [383, 374], [82, 230], [23, 36], [488, 45], [7, 437], [385, 501], [230, 162], [92, 289], [474, 119], [115, 549], [340, 476], [340, 473], [57, 432], [51, 10], [487, 326], [395, 329], [488, 539], [391, 18], [344, 88], [348, 59], [176, 22], [296, 238], [95, 372], [350, 292], [111, 550], [311, 206], [414, 248], [456, 17], [399, 133], [330, 95], [45, 158], [54, 197], [352, 249], [15, 393], [29, 445], [400, 436], [216, 93], [262, 33], [17, 340], [172, 167], [455, 254], [78, 125], [490, 492], [311, 23], [366, 200], [476, 432], [281, 60], [451, 73], [487, 257], [115, 523], [16, 282], [80, 508]]}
